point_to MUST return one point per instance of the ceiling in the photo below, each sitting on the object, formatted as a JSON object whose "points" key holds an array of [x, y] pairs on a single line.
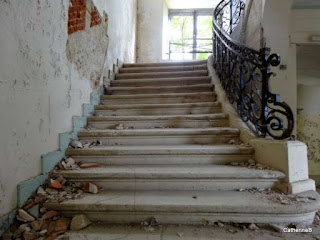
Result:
{"points": [[191, 4], [306, 4]]}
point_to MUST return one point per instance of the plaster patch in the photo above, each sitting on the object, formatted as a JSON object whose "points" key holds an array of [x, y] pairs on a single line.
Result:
{"points": [[308, 132]]}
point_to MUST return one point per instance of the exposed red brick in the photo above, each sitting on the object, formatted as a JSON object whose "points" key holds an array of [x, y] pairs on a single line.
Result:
{"points": [[77, 16], [95, 17]]}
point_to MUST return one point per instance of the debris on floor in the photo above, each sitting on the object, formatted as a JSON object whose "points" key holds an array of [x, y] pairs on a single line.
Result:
{"points": [[76, 144], [84, 144], [90, 187], [253, 227], [79, 222], [34, 221], [71, 164], [121, 126], [149, 225], [251, 164], [89, 165]]}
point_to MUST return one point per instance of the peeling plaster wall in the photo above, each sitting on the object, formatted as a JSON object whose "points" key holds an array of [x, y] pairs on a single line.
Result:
{"points": [[150, 25], [308, 70], [46, 75], [122, 17]]}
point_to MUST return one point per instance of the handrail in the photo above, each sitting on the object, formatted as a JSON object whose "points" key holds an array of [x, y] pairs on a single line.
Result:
{"points": [[244, 74]]}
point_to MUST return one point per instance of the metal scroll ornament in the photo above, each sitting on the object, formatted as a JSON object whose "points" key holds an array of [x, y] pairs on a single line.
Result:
{"points": [[244, 74]]}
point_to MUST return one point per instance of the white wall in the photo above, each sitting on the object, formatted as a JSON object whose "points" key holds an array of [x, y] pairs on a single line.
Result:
{"points": [[276, 31], [165, 31], [308, 69], [122, 28], [150, 23], [305, 23], [40, 89]]}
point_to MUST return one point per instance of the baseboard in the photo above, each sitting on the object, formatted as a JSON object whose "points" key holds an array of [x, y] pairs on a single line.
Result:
{"points": [[50, 160], [6, 221]]}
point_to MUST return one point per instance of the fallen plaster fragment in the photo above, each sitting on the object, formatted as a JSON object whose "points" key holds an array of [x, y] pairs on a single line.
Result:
{"points": [[24, 216], [220, 224], [90, 187], [76, 144], [253, 227], [79, 222]]}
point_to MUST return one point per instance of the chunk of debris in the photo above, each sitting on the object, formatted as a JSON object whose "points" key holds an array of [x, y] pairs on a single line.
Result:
{"points": [[61, 180], [220, 224], [195, 197], [55, 184], [90, 187], [30, 235], [41, 191], [79, 222], [89, 165], [34, 211], [21, 229], [232, 141], [253, 227], [154, 222], [232, 230], [234, 164], [49, 215], [120, 126], [76, 144], [56, 228], [24, 216], [36, 225], [52, 191]]}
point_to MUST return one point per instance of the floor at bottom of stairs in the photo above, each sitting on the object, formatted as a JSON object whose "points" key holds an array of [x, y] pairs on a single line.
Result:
{"points": [[172, 232]]}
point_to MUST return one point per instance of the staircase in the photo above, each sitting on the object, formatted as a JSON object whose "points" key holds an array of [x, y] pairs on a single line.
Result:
{"points": [[166, 153]]}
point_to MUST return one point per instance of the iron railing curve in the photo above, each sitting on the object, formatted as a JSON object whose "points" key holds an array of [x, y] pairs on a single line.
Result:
{"points": [[244, 73]]}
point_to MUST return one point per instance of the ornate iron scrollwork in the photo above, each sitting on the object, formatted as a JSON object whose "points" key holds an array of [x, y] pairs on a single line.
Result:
{"points": [[244, 73]]}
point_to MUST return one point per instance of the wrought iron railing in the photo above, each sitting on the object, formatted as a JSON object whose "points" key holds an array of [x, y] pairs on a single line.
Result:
{"points": [[245, 73]]}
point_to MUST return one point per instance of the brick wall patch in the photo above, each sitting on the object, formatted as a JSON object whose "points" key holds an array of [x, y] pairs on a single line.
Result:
{"points": [[95, 17], [77, 16]]}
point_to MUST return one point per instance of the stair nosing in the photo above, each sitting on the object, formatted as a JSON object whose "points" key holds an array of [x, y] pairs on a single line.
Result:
{"points": [[148, 106]]}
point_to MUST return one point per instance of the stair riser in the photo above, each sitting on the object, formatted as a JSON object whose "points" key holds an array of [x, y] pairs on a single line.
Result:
{"points": [[121, 160], [161, 75], [158, 112], [166, 124], [158, 100], [179, 184], [162, 69], [177, 218], [162, 140], [164, 64], [132, 83], [159, 91]]}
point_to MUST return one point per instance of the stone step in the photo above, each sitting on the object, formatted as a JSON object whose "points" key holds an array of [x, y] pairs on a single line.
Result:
{"points": [[159, 98], [158, 109], [197, 73], [161, 82], [166, 136], [164, 121], [160, 89], [189, 207], [158, 155], [163, 69], [166, 64], [177, 177]]}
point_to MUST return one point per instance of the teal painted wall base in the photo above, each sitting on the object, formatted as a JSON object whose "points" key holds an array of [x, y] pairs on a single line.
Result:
{"points": [[50, 160], [6, 221]]}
